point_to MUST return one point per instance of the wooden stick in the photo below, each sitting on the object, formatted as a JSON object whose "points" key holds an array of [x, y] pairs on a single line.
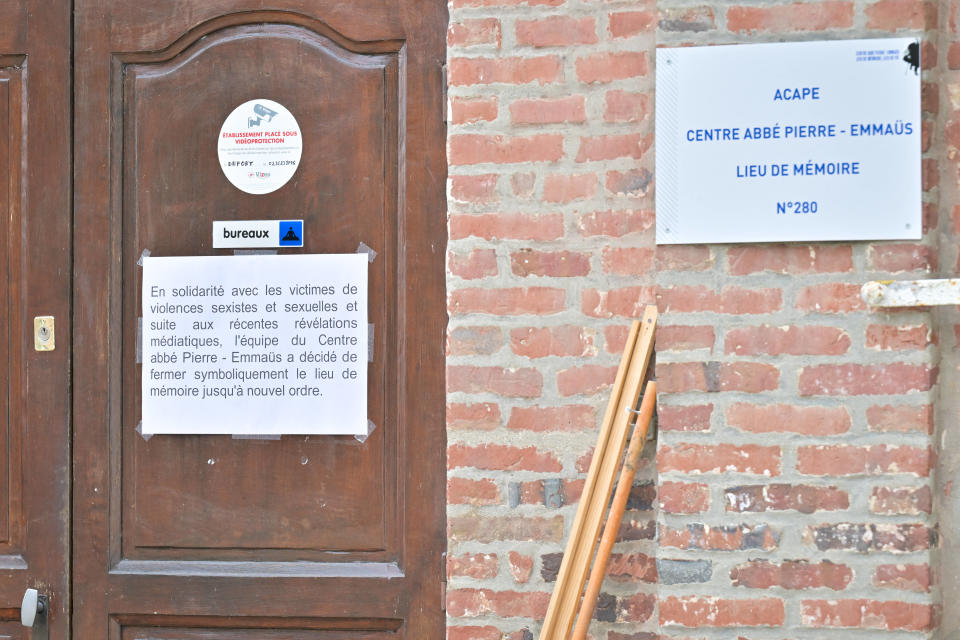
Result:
{"points": [[612, 528], [599, 485], [550, 621]]}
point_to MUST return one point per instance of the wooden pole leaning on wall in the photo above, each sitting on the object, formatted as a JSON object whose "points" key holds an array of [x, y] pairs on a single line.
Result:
{"points": [[599, 483], [612, 528]]}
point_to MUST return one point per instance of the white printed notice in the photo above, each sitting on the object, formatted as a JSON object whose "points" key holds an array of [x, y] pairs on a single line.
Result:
{"points": [[255, 344], [798, 141]]}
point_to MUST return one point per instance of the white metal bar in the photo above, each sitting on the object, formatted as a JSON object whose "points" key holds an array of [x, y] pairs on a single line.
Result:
{"points": [[911, 293]]}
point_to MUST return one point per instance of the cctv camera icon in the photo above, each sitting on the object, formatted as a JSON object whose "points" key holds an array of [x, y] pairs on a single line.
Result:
{"points": [[261, 110], [262, 113]]}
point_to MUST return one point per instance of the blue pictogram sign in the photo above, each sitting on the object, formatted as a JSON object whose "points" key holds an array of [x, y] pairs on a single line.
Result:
{"points": [[291, 233]]}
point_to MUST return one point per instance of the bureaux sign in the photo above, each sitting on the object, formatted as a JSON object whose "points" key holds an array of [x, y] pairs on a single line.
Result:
{"points": [[799, 141]]}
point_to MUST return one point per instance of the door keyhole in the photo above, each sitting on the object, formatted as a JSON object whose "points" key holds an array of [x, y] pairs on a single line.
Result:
{"points": [[44, 338]]}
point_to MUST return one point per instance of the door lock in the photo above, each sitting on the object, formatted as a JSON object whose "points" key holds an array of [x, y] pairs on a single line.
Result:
{"points": [[44, 338], [33, 614]]}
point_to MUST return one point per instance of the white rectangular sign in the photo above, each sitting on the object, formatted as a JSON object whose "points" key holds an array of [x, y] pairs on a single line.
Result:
{"points": [[255, 344], [251, 234], [799, 141]]}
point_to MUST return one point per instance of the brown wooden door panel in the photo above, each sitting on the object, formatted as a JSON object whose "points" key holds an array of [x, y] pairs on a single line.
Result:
{"points": [[314, 537], [13, 631], [11, 348], [324, 494], [35, 266], [234, 633], [162, 589], [13, 32], [140, 28]]}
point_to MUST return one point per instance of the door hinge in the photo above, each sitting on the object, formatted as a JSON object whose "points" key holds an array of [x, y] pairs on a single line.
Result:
{"points": [[443, 581], [443, 93]]}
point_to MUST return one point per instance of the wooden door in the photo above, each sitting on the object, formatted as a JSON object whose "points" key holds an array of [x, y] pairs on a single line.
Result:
{"points": [[212, 537], [34, 281]]}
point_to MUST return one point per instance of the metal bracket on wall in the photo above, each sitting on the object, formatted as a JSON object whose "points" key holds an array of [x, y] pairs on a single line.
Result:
{"points": [[911, 293]]}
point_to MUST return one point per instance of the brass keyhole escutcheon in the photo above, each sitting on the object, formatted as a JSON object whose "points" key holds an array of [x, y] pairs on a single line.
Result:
{"points": [[44, 337]]}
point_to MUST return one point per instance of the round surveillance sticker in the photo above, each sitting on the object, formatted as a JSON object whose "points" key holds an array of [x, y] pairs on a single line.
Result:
{"points": [[259, 146]]}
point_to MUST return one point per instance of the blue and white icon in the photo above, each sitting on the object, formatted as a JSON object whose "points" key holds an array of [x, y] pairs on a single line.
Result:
{"points": [[291, 233]]}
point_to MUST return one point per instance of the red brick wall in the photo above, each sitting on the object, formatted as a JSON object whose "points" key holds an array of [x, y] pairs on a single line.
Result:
{"points": [[551, 252], [795, 452], [947, 557], [796, 424]]}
